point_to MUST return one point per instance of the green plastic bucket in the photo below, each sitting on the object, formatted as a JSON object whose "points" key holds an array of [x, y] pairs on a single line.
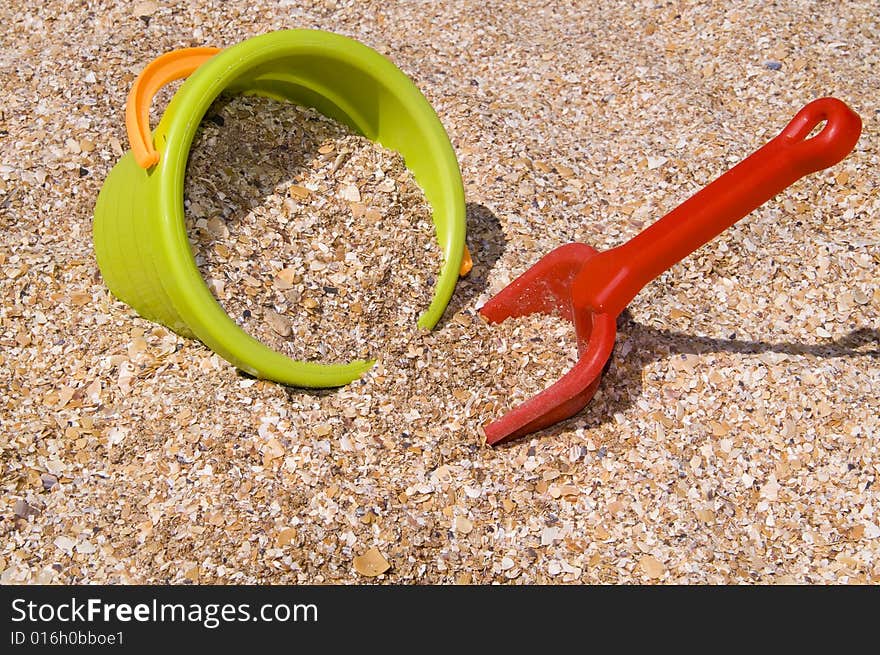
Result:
{"points": [[140, 238]]}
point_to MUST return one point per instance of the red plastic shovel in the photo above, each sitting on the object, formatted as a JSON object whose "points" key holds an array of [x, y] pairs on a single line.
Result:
{"points": [[590, 288]]}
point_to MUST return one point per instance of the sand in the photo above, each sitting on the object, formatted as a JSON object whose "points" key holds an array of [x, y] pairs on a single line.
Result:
{"points": [[734, 437]]}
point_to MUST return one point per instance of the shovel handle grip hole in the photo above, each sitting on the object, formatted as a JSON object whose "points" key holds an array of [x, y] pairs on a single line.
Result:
{"points": [[817, 130], [821, 134], [805, 128]]}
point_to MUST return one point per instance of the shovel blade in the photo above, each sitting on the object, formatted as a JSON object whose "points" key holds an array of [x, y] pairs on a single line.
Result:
{"points": [[547, 288]]}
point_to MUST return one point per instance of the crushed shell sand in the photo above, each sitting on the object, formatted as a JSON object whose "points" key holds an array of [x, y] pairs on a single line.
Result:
{"points": [[320, 245], [734, 438]]}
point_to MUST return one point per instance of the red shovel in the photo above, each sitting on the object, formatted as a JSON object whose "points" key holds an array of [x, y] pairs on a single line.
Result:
{"points": [[590, 288]]}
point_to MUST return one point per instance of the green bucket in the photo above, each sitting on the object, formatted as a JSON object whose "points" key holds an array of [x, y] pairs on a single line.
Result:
{"points": [[140, 237]]}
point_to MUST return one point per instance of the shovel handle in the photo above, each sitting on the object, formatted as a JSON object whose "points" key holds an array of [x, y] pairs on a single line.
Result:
{"points": [[611, 279]]}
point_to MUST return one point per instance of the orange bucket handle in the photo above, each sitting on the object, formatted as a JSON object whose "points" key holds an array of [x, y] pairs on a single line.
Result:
{"points": [[166, 68]]}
